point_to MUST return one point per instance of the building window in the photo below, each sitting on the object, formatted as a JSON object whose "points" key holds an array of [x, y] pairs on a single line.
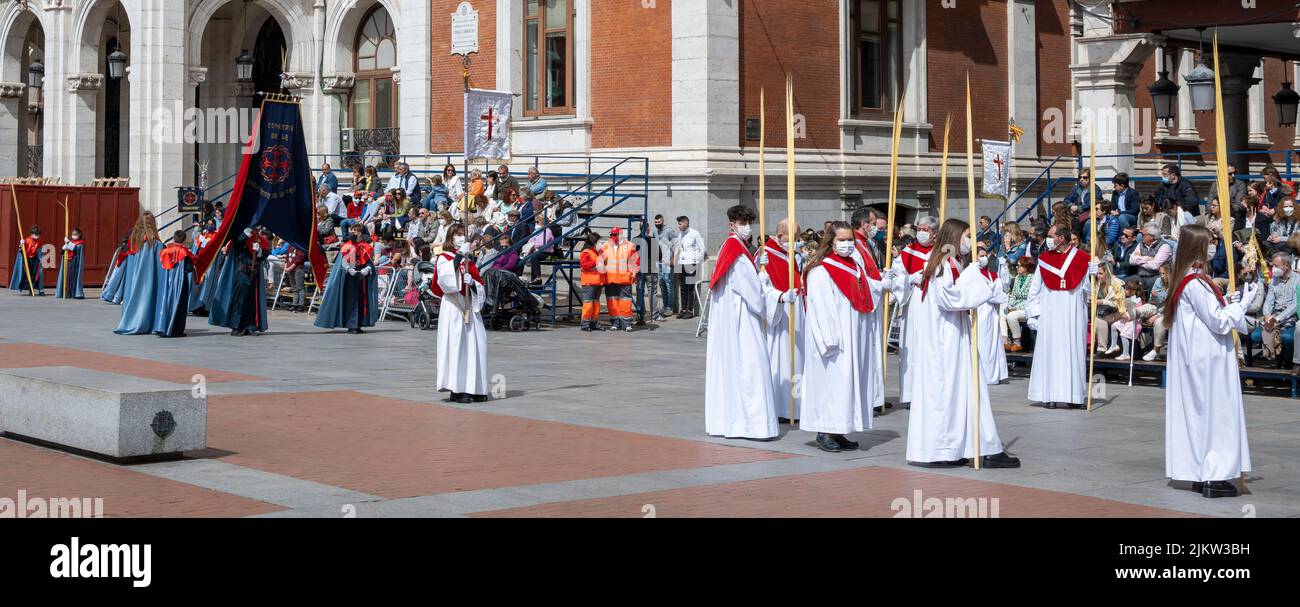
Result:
{"points": [[548, 57], [374, 97], [877, 60]]}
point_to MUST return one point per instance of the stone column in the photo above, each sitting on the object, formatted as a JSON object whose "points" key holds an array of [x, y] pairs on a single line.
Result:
{"points": [[159, 85], [1237, 76], [1022, 73], [706, 74], [1257, 101], [413, 50], [1105, 76], [12, 104], [74, 146]]}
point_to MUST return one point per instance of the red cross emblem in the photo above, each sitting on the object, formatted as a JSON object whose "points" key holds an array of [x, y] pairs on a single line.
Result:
{"points": [[490, 117], [998, 161], [276, 163]]}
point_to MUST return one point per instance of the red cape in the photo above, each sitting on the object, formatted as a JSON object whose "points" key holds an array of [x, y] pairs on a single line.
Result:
{"points": [[847, 274], [864, 249], [1203, 278], [732, 249], [1074, 274], [914, 257], [173, 255], [778, 267], [473, 272], [956, 273]]}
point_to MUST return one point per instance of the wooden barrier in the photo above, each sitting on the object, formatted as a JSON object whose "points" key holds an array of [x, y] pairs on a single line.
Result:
{"points": [[105, 216]]}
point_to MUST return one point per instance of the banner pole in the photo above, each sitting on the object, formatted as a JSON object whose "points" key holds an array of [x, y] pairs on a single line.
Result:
{"points": [[790, 196], [976, 377], [22, 250]]}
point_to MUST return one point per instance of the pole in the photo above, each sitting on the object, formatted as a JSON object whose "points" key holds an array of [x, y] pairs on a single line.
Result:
{"points": [[943, 171], [22, 250], [762, 168], [67, 234], [975, 376], [789, 212], [889, 232], [1225, 209], [1092, 255]]}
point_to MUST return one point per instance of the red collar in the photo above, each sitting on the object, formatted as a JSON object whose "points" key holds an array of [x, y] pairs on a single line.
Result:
{"points": [[849, 276], [914, 257], [732, 249], [174, 254], [778, 267], [956, 273], [1063, 271], [864, 249], [1203, 278]]}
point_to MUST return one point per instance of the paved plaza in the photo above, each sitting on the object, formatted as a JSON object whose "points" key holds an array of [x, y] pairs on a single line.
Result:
{"points": [[305, 423]]}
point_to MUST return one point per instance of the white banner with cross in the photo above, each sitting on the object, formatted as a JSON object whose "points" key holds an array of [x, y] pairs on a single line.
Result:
{"points": [[487, 124], [997, 168]]}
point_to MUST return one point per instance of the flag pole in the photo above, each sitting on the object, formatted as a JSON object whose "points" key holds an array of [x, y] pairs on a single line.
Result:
{"points": [[888, 253], [1092, 255], [976, 377], [22, 250], [943, 171], [789, 212], [1225, 203]]}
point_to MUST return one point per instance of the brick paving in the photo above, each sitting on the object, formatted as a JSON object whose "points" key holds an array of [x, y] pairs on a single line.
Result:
{"points": [[861, 492], [15, 355]]}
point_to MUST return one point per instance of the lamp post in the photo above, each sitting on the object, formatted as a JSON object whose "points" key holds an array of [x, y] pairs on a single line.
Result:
{"points": [[1164, 93], [1287, 100]]}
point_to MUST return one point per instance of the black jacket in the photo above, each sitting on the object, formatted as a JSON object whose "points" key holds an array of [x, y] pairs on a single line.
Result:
{"points": [[1183, 193]]}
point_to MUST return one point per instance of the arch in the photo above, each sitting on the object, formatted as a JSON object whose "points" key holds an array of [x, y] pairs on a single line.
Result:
{"points": [[15, 24], [89, 19], [373, 103], [341, 31], [287, 13]]}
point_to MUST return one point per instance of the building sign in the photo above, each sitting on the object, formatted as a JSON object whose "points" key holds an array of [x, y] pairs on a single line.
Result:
{"points": [[464, 30]]}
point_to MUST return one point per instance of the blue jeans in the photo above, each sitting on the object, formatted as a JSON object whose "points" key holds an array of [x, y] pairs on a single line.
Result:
{"points": [[668, 290]]}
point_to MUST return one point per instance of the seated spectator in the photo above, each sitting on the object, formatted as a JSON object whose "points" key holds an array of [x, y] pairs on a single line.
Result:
{"points": [[1121, 251], [1175, 190], [1125, 329], [1275, 188], [439, 198], [518, 230], [1156, 298], [539, 244], [1014, 243], [325, 225], [1152, 253], [1285, 223], [1084, 195], [1112, 306], [401, 206], [1013, 313], [1037, 241], [1276, 330], [1125, 201], [506, 259], [356, 206], [1247, 273], [536, 185]]}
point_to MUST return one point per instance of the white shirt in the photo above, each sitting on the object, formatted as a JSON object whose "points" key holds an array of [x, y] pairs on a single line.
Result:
{"points": [[455, 188], [334, 205], [403, 182], [691, 248]]}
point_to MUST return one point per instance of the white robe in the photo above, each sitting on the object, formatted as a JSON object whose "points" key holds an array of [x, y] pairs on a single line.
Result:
{"points": [[737, 378], [903, 295], [940, 425], [1059, 373], [1205, 422], [462, 348], [837, 348], [778, 350], [873, 387], [993, 357]]}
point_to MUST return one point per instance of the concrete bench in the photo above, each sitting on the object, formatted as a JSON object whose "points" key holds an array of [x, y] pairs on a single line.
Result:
{"points": [[120, 418]]}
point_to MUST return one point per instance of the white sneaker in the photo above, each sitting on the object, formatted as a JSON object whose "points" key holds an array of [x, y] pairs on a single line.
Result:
{"points": [[1122, 357], [1113, 349], [1150, 356]]}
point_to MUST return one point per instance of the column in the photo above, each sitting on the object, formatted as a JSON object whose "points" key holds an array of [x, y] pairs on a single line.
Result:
{"points": [[1237, 76], [706, 74], [1257, 111], [159, 84], [12, 103], [1022, 73], [413, 93], [1105, 76]]}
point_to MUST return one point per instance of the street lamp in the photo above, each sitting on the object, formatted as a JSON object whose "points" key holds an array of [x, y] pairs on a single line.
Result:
{"points": [[1200, 81], [116, 64], [36, 75], [1163, 95], [1287, 100], [244, 67]]}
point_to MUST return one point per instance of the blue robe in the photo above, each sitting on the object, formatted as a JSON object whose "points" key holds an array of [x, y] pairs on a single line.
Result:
{"points": [[71, 267], [350, 302], [114, 286], [18, 282], [173, 300], [239, 298], [140, 291], [201, 296]]}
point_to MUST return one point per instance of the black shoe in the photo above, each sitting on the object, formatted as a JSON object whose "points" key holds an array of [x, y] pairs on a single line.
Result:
{"points": [[1000, 460], [236, 332], [479, 398], [889, 405], [587, 329], [465, 399], [1214, 489], [828, 444], [1198, 487], [361, 331], [844, 442], [785, 420], [1075, 405], [1049, 405], [878, 410]]}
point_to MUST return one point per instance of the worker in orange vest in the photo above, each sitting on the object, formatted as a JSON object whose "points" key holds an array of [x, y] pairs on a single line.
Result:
{"points": [[622, 263], [593, 282]]}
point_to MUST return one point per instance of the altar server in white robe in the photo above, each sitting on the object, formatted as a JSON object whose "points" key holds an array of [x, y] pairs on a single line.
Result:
{"points": [[1205, 423], [462, 341], [738, 399], [864, 253], [910, 264], [837, 344], [775, 262], [993, 357], [941, 423], [1057, 308]]}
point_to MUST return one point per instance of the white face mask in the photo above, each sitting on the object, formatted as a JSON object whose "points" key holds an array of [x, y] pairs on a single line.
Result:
{"points": [[923, 238], [1288, 211], [1211, 250], [844, 248], [965, 246], [1050, 243], [744, 231], [984, 261], [459, 240]]}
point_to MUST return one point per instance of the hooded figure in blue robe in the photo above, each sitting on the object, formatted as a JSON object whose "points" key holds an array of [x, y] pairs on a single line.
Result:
{"points": [[74, 254], [239, 301], [140, 286], [177, 263], [351, 297]]}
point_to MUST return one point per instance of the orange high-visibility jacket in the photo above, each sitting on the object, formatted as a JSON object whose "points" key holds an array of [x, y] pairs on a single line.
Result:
{"points": [[622, 262], [593, 272]]}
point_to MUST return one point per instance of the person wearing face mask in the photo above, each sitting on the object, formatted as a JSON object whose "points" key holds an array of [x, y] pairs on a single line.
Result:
{"points": [[462, 338], [593, 282], [1173, 188], [774, 261], [993, 357], [1057, 309], [351, 299], [1151, 253], [738, 400], [1276, 330], [1285, 223], [622, 264], [1205, 421], [907, 270], [940, 429], [836, 351]]}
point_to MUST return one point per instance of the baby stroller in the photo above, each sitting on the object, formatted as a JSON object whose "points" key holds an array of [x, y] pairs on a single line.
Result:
{"points": [[508, 303], [425, 315]]}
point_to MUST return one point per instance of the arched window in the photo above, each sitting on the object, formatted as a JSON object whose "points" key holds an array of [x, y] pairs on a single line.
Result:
{"points": [[374, 98]]}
